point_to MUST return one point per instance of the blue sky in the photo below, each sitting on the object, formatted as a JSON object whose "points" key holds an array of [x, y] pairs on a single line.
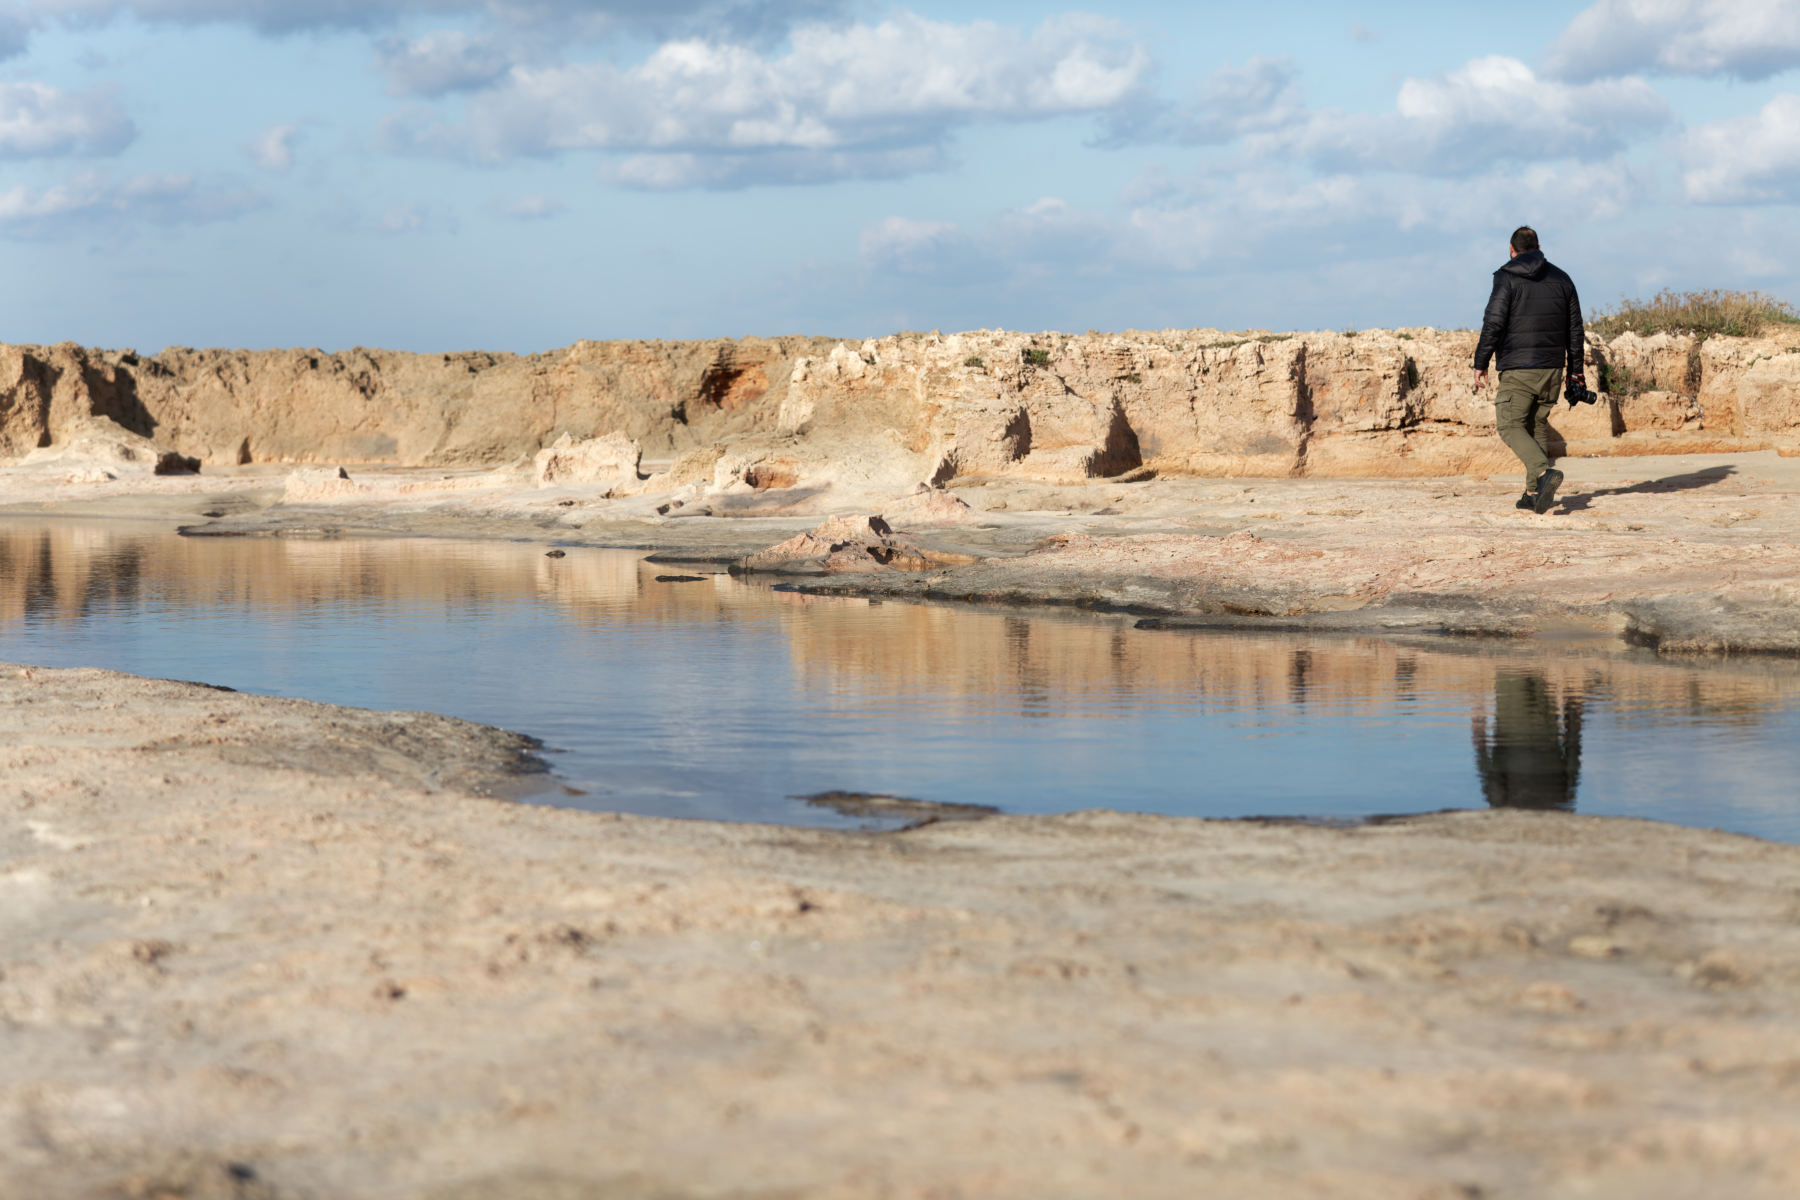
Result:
{"points": [[517, 174]]}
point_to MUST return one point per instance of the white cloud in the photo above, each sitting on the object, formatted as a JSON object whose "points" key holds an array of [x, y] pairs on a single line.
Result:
{"points": [[15, 33], [851, 100], [532, 208], [1047, 234], [582, 19], [1493, 109], [668, 172], [444, 61], [1283, 217], [273, 148], [901, 243], [1261, 218], [1750, 39], [403, 218], [1746, 160], [37, 120], [267, 15], [1153, 182], [1278, 246], [99, 202], [1259, 214], [1257, 97]]}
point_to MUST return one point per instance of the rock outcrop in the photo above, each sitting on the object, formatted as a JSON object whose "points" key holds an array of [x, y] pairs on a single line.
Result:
{"points": [[97, 449], [309, 485], [306, 406], [880, 417], [928, 507], [847, 545], [611, 460]]}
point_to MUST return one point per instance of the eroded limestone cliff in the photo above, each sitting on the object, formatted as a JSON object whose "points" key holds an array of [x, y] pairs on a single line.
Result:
{"points": [[891, 412], [304, 406]]}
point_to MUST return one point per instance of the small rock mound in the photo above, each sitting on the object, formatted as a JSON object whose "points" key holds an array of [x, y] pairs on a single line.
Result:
{"points": [[611, 461], [319, 483], [100, 449], [929, 506], [846, 544]]}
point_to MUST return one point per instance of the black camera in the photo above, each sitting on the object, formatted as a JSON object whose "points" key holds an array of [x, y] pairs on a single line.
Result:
{"points": [[1577, 394]]}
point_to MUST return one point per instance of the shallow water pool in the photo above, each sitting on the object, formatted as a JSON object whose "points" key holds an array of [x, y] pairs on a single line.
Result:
{"points": [[662, 693]]}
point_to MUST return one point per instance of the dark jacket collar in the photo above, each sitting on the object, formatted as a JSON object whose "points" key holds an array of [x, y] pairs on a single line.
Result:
{"points": [[1528, 265]]}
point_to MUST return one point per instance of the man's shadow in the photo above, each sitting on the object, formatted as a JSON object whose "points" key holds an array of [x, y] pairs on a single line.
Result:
{"points": [[1674, 483]]}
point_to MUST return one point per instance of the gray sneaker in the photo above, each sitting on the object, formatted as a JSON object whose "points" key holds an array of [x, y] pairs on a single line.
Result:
{"points": [[1548, 482]]}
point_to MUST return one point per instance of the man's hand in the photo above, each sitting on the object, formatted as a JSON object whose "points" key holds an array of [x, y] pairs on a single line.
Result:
{"points": [[1480, 380]]}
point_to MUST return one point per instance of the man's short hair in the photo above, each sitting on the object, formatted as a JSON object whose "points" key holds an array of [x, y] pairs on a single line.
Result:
{"points": [[1524, 239]]}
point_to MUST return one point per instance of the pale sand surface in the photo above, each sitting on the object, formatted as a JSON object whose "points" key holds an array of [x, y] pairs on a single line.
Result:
{"points": [[259, 948], [265, 948]]}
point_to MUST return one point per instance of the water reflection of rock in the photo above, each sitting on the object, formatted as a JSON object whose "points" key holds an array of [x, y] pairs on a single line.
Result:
{"points": [[1530, 755], [1029, 662]]}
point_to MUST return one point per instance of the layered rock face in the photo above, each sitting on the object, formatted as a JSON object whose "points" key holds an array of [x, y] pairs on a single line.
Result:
{"points": [[305, 406], [888, 414]]}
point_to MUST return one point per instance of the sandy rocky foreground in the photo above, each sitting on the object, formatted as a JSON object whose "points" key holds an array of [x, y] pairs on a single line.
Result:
{"points": [[258, 948], [255, 948]]}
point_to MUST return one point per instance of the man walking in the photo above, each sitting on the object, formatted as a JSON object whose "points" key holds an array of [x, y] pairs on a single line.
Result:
{"points": [[1533, 323]]}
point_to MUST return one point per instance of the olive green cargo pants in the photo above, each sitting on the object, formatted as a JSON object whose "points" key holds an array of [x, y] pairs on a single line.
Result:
{"points": [[1522, 410]]}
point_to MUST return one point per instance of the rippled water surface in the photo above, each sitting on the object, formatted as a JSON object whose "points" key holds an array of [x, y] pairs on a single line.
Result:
{"points": [[720, 698]]}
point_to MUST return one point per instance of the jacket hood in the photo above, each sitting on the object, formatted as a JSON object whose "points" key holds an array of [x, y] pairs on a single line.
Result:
{"points": [[1529, 265]]}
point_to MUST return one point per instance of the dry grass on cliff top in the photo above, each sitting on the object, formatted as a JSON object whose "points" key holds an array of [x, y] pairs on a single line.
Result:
{"points": [[1703, 314]]}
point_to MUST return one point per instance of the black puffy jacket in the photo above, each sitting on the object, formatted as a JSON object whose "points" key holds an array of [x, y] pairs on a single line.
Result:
{"points": [[1533, 318]]}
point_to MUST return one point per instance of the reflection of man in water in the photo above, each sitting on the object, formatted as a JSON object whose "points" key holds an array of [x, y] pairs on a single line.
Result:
{"points": [[1533, 759]]}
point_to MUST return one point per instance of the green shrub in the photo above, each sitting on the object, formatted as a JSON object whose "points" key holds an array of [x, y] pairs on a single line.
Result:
{"points": [[1038, 358], [1134, 377], [974, 360], [1702, 314], [1616, 380]]}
